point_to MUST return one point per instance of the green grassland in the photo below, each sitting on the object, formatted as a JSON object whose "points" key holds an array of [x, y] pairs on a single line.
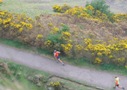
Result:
{"points": [[18, 75], [23, 78], [34, 8]]}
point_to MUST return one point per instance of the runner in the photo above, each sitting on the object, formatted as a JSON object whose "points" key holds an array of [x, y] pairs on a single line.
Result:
{"points": [[56, 56], [117, 83]]}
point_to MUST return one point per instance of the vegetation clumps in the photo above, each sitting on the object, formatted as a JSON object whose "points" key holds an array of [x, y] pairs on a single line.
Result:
{"points": [[96, 10], [61, 9]]}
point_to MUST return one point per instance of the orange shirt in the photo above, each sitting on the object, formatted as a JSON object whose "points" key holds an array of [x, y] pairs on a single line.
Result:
{"points": [[56, 54]]}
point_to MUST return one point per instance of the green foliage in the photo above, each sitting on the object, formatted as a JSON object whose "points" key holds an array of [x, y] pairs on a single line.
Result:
{"points": [[18, 79], [16, 69], [57, 38], [100, 5], [65, 28]]}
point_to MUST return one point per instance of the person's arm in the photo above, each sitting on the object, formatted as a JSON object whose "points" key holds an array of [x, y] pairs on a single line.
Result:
{"points": [[54, 55], [59, 52]]}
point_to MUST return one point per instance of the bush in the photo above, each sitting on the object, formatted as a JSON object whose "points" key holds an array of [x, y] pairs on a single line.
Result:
{"points": [[1, 1], [100, 5], [55, 39], [13, 25], [120, 17], [61, 9], [56, 85]]}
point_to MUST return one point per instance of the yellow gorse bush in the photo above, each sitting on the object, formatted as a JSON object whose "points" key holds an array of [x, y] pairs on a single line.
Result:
{"points": [[54, 30], [89, 7], [90, 13], [13, 26], [97, 60], [1, 1], [83, 13], [78, 11], [67, 48], [55, 84], [15, 22], [78, 47], [66, 35], [119, 17], [48, 43], [109, 51], [39, 36], [50, 24], [61, 9], [57, 8]]}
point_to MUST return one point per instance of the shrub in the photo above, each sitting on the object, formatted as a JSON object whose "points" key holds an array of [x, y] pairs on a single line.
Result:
{"points": [[58, 37], [1, 1], [56, 85], [100, 5], [61, 9], [57, 8], [119, 17], [12, 25]]}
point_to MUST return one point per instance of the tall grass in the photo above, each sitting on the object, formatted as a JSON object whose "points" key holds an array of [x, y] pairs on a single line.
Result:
{"points": [[16, 85]]}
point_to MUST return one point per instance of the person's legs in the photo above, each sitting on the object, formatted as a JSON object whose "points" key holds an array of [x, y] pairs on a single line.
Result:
{"points": [[118, 86], [60, 60], [56, 59]]}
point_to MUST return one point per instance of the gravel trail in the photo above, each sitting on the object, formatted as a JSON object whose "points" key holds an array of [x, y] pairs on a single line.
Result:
{"points": [[90, 76]]}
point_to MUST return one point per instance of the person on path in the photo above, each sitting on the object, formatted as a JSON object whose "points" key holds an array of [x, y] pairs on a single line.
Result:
{"points": [[57, 57], [117, 83]]}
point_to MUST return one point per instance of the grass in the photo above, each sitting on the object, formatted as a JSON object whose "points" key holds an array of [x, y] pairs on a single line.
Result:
{"points": [[33, 9], [83, 62], [20, 45], [72, 85], [13, 43], [20, 82], [30, 9], [22, 85]]}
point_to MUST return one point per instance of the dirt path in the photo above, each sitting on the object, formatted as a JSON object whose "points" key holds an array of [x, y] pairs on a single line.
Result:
{"points": [[98, 78]]}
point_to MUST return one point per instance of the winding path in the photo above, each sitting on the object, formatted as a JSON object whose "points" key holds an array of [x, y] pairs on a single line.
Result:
{"points": [[90, 76]]}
